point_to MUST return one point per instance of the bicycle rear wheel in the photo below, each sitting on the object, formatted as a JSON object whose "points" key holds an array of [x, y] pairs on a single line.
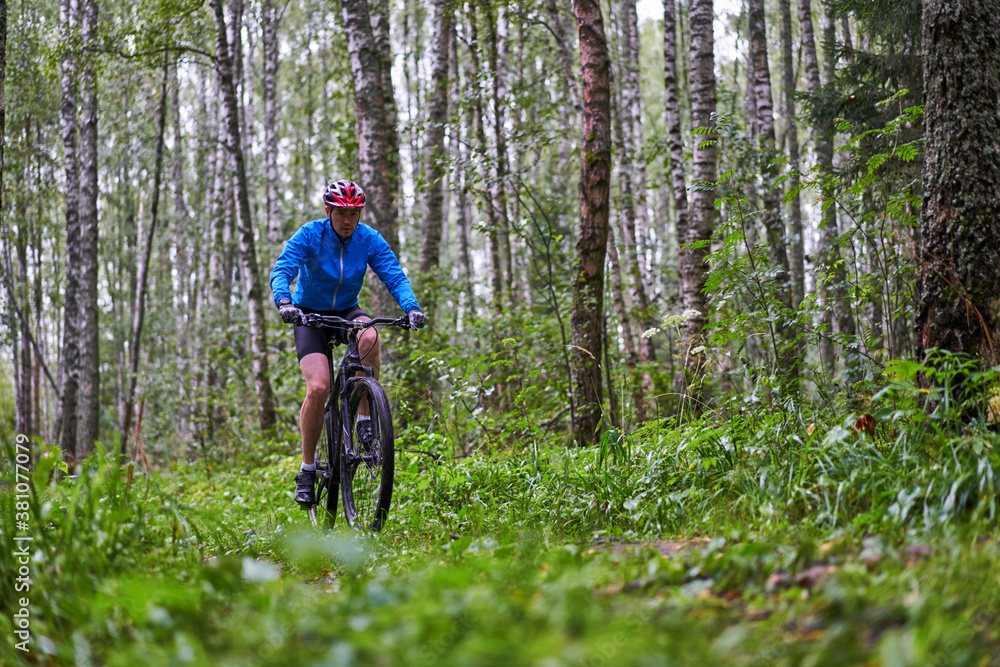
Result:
{"points": [[324, 512], [366, 469]]}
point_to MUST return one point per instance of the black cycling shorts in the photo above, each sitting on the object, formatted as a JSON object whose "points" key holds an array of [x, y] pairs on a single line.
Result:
{"points": [[309, 340]]}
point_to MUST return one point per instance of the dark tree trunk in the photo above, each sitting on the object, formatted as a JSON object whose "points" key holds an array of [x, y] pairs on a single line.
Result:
{"points": [[587, 322], [89, 403], [70, 374], [139, 307], [248, 253], [959, 306], [434, 148], [22, 377], [380, 31]]}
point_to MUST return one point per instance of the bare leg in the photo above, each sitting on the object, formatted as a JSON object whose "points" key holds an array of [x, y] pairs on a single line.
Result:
{"points": [[317, 374]]}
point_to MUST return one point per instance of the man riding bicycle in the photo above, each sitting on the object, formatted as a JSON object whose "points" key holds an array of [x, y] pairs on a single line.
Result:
{"points": [[328, 259]]}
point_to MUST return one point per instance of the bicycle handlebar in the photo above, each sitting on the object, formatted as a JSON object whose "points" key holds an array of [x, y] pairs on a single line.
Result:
{"points": [[332, 321]]}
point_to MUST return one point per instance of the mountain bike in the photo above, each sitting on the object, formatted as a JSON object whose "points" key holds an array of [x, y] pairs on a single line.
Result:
{"points": [[361, 472]]}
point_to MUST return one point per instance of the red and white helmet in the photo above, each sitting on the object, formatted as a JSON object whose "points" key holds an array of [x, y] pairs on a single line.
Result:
{"points": [[344, 194]]}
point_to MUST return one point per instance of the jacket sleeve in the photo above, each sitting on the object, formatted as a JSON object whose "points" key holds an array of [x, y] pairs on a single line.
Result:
{"points": [[383, 261], [287, 266]]}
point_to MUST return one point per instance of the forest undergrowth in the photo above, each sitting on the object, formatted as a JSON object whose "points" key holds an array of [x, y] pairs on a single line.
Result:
{"points": [[752, 535]]}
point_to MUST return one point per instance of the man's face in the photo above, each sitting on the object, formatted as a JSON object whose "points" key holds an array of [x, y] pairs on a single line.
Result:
{"points": [[344, 220]]}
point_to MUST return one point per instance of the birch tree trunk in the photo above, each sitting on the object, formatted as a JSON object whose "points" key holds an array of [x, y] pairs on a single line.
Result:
{"points": [[693, 266], [628, 340], [89, 405], [835, 267], [774, 225], [270, 22], [434, 148], [460, 140], [71, 298], [565, 54], [497, 25], [216, 315], [139, 307], [185, 263], [377, 145], [370, 105], [21, 332], [380, 31], [673, 117], [824, 160], [635, 319], [496, 268], [248, 253], [832, 272], [959, 306], [796, 247], [633, 197], [3, 141], [587, 321], [631, 113]]}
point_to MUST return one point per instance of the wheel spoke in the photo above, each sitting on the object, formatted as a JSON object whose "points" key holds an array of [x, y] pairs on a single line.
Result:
{"points": [[367, 468]]}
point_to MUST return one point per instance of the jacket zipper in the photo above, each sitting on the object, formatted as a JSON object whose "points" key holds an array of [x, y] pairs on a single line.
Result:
{"points": [[334, 305]]}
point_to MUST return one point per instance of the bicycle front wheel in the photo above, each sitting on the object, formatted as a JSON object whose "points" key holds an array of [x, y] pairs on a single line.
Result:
{"points": [[328, 475], [366, 468]]}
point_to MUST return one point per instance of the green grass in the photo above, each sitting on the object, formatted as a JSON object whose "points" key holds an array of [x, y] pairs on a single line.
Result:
{"points": [[758, 540]]}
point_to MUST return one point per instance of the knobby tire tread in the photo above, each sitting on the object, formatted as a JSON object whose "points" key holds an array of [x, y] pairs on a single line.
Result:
{"points": [[327, 495], [364, 512]]}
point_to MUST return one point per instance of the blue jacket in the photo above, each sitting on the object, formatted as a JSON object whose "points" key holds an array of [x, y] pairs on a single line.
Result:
{"points": [[330, 272]]}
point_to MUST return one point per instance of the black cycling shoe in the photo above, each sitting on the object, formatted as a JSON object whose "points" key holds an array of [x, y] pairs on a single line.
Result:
{"points": [[305, 488], [363, 429]]}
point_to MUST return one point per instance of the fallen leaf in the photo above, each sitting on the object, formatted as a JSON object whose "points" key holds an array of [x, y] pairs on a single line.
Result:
{"points": [[866, 424], [812, 576]]}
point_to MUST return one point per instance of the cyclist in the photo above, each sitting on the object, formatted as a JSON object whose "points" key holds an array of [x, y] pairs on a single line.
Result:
{"points": [[328, 259]]}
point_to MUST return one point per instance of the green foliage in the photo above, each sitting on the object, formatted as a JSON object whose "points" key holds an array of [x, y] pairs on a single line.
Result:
{"points": [[531, 552]]}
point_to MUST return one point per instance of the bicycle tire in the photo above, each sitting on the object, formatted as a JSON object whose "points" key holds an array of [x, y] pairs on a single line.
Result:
{"points": [[366, 473], [327, 473]]}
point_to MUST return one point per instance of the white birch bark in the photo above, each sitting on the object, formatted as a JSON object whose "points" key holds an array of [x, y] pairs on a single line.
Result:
{"points": [[70, 373], [694, 267], [434, 147], [248, 254], [89, 405]]}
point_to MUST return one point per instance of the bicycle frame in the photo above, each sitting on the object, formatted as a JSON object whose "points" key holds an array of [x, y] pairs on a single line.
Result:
{"points": [[350, 364], [342, 376]]}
